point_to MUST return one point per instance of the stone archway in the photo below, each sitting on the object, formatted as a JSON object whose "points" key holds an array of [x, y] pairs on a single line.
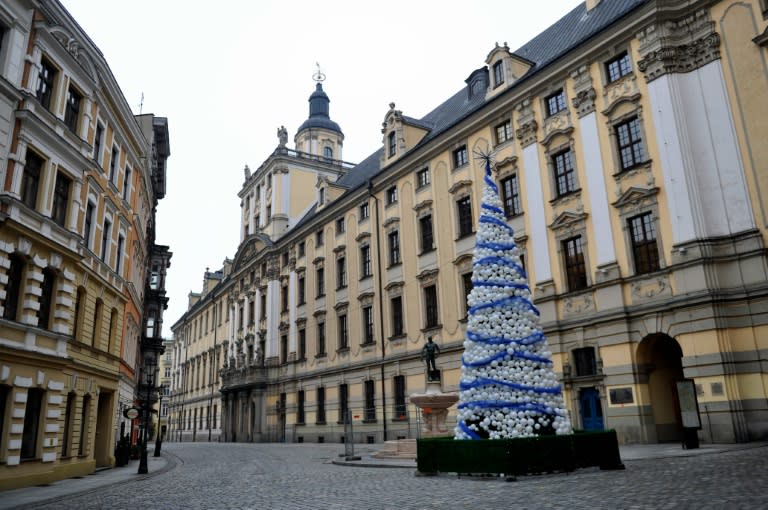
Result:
{"points": [[659, 356]]}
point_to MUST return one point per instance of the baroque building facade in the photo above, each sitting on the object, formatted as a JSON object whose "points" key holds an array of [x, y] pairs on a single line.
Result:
{"points": [[627, 145], [80, 177]]}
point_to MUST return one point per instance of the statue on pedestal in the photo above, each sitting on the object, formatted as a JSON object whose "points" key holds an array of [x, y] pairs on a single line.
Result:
{"points": [[429, 353]]}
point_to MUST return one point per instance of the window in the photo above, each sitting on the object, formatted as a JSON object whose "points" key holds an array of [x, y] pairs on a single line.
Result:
{"points": [[392, 195], [113, 164], [301, 283], [392, 143], [328, 152], [97, 315], [284, 348], [98, 138], [320, 282], [302, 344], [618, 67], [321, 196], [119, 262], [584, 359], [466, 287], [30, 179], [105, 235], [498, 73], [565, 175], [396, 309], [343, 402], [555, 103], [630, 143], [69, 419], [61, 199], [284, 298], [89, 212], [364, 211], [464, 210], [319, 238], [575, 270], [365, 261], [320, 405], [46, 299], [77, 330], [302, 249], [321, 338], [422, 178], [368, 324], [300, 417], [341, 272], [460, 156], [269, 216], [13, 287], [72, 110], [644, 249], [430, 307], [393, 239], [340, 226], [85, 413], [503, 132], [45, 83], [510, 196], [400, 405], [370, 402], [126, 182], [112, 340], [31, 431], [343, 332], [286, 258], [425, 229]]}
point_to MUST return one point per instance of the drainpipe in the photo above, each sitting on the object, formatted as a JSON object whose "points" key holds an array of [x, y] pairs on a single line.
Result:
{"points": [[214, 368], [381, 307]]}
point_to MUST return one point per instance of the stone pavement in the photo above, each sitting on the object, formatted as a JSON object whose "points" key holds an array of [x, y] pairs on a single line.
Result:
{"points": [[315, 476]]}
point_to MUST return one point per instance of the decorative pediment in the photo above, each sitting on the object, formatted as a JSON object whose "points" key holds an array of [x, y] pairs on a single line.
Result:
{"points": [[343, 305], [391, 286], [425, 204], [509, 161], [340, 248], [636, 197], [362, 236], [463, 262], [252, 246], [619, 92], [427, 276], [406, 131], [391, 221], [568, 220], [460, 185]]}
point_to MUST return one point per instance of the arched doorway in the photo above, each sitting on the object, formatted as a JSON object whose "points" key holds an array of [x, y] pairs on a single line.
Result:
{"points": [[660, 357]]}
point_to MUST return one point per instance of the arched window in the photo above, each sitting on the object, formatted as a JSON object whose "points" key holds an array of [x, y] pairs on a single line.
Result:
{"points": [[112, 330], [328, 152], [98, 312], [392, 144], [77, 329]]}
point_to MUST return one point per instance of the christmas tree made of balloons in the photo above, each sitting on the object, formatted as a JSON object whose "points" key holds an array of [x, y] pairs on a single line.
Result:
{"points": [[508, 388]]}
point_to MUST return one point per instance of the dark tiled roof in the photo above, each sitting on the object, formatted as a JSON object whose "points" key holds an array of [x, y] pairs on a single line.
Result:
{"points": [[570, 31]]}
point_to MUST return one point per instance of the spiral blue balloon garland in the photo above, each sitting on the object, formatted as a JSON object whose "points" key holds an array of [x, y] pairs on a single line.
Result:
{"points": [[507, 387]]}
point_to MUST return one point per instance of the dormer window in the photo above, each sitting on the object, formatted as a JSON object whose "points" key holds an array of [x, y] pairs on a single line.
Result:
{"points": [[321, 196], [392, 139], [498, 73]]}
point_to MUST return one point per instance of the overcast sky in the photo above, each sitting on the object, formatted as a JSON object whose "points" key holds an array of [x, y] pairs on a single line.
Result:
{"points": [[228, 74]]}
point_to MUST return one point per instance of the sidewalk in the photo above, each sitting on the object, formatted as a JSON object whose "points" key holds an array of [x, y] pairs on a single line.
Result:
{"points": [[28, 497]]}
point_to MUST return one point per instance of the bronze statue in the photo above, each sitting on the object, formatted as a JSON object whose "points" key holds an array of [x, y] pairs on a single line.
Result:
{"points": [[430, 352]]}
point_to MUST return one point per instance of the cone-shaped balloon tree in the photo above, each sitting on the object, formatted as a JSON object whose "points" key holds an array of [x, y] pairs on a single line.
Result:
{"points": [[508, 388]]}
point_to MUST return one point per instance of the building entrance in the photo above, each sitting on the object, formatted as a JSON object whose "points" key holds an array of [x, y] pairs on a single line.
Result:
{"points": [[662, 357], [590, 409]]}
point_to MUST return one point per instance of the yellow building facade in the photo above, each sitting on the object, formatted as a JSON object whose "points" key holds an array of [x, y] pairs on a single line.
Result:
{"points": [[627, 147], [76, 197]]}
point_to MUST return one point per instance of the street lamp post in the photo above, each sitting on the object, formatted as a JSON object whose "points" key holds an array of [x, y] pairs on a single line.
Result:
{"points": [[158, 432], [149, 374]]}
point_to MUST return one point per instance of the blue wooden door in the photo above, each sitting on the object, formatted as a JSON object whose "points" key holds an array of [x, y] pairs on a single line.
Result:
{"points": [[591, 410]]}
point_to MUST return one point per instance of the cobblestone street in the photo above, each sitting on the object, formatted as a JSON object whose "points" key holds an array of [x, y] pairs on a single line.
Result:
{"points": [[292, 476]]}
